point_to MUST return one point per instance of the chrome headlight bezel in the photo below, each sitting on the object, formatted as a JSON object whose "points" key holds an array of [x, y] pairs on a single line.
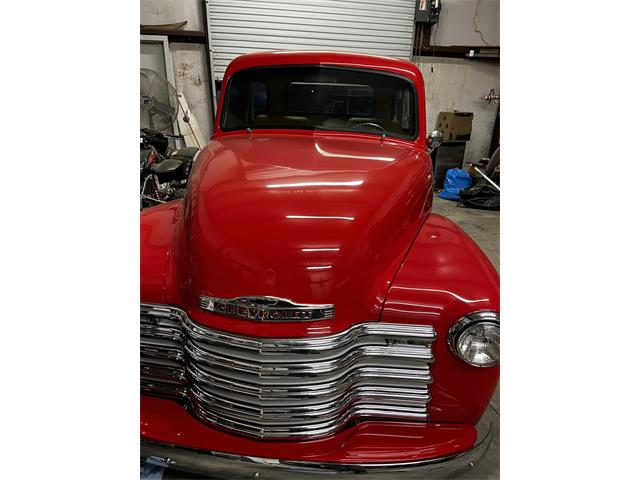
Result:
{"points": [[483, 317]]}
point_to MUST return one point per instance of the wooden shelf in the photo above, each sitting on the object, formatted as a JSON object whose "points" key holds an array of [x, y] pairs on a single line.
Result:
{"points": [[480, 53], [184, 36]]}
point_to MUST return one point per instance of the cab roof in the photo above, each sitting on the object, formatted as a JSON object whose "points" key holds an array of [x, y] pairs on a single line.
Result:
{"points": [[356, 60]]}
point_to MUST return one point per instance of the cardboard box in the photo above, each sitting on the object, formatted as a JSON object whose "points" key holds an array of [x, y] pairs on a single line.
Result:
{"points": [[455, 126]]}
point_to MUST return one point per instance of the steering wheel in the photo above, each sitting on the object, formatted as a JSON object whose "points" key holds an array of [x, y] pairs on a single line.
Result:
{"points": [[371, 124]]}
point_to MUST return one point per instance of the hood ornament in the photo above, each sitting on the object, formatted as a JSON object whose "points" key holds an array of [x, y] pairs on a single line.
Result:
{"points": [[266, 309]]}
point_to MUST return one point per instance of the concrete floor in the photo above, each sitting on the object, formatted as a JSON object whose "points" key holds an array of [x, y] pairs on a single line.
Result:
{"points": [[484, 227]]}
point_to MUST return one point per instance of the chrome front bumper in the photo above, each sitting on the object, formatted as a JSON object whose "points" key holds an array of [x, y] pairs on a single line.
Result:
{"points": [[232, 467]]}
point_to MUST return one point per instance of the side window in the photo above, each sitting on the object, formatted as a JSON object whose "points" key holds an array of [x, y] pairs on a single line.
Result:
{"points": [[233, 113], [236, 113], [259, 100], [406, 110], [402, 108]]}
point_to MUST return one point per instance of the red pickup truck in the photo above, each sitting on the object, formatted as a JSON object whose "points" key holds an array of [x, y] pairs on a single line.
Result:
{"points": [[303, 312]]}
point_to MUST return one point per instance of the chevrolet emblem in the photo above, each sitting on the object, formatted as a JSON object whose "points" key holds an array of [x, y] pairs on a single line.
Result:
{"points": [[266, 309]]}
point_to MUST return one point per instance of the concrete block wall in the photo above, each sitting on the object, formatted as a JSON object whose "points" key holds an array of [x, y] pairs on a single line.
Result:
{"points": [[154, 12], [458, 84], [456, 23], [189, 59]]}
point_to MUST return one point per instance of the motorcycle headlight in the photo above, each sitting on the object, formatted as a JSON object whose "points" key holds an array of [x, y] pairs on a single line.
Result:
{"points": [[475, 339]]}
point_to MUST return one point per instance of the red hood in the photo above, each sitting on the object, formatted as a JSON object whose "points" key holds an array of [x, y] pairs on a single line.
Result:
{"points": [[323, 219]]}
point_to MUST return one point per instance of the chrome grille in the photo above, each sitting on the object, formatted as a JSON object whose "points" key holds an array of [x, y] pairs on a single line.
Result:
{"points": [[295, 387]]}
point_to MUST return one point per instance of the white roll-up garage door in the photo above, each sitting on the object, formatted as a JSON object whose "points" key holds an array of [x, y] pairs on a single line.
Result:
{"points": [[378, 27]]}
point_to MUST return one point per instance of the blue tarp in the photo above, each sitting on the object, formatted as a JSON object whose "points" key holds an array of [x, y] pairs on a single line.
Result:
{"points": [[455, 180], [152, 469]]}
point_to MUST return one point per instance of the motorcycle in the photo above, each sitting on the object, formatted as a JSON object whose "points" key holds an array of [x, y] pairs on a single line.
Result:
{"points": [[163, 172]]}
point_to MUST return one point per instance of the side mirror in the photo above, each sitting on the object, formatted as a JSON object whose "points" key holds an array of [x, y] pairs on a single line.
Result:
{"points": [[435, 138]]}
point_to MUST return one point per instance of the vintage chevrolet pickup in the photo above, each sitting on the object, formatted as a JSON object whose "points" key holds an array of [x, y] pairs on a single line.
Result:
{"points": [[303, 313]]}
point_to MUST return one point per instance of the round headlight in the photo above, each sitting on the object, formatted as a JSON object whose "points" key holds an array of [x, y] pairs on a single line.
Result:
{"points": [[475, 339]]}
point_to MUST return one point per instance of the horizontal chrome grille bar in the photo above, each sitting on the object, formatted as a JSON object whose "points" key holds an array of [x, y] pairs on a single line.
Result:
{"points": [[290, 392], [418, 334], [364, 355], [282, 388], [303, 399]]}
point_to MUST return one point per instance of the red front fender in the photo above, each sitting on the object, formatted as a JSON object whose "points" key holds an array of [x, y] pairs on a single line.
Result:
{"points": [[157, 229], [444, 277]]}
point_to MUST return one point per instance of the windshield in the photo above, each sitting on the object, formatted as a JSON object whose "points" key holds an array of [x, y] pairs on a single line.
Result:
{"points": [[320, 98]]}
